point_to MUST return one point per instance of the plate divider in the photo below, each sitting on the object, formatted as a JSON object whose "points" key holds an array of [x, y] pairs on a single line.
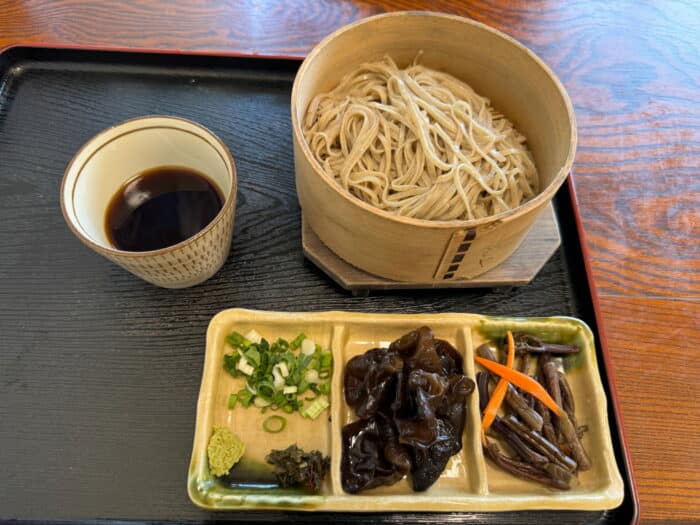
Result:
{"points": [[338, 341], [476, 464]]}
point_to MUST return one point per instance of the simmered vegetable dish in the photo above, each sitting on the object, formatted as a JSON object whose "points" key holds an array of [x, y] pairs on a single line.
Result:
{"points": [[538, 422]]}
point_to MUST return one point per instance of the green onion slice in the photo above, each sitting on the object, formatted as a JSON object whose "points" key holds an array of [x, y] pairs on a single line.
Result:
{"points": [[232, 400], [274, 424]]}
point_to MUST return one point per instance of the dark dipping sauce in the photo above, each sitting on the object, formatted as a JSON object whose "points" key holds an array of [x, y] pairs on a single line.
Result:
{"points": [[161, 207]]}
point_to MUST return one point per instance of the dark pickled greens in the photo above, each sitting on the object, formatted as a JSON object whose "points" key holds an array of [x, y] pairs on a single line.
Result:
{"points": [[293, 467], [411, 401]]}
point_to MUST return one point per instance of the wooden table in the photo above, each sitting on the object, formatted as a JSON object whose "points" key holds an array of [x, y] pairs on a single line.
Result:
{"points": [[633, 72]]}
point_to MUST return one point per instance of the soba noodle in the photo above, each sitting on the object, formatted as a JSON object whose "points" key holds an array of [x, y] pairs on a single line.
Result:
{"points": [[419, 143]]}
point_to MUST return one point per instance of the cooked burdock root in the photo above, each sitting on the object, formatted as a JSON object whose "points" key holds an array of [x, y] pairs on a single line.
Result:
{"points": [[526, 343], [566, 427], [546, 445], [547, 427], [482, 385], [518, 445], [541, 444], [567, 398], [522, 469], [514, 398], [411, 401]]}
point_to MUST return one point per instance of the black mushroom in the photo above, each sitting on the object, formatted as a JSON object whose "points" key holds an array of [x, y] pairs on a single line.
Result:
{"points": [[410, 400], [369, 379], [372, 455]]}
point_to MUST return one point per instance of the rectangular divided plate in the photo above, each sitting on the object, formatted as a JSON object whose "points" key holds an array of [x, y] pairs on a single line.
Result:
{"points": [[468, 483]]}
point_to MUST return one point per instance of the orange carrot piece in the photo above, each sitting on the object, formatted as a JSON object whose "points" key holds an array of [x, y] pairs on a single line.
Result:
{"points": [[522, 381], [499, 393]]}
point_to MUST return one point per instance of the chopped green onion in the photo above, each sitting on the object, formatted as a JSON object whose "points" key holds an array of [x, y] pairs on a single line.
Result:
{"points": [[244, 367], [312, 376], [230, 363], [314, 409], [279, 399], [253, 336], [278, 381], [274, 424], [245, 398], [303, 362], [296, 343], [236, 340], [326, 360], [280, 375], [264, 361], [261, 402], [279, 346], [232, 400], [308, 347], [284, 370], [252, 356], [266, 389]]}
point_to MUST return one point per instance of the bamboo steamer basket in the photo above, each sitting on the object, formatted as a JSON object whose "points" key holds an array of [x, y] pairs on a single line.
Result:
{"points": [[518, 84]]}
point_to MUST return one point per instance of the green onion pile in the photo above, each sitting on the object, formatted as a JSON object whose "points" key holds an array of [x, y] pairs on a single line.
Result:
{"points": [[288, 376]]}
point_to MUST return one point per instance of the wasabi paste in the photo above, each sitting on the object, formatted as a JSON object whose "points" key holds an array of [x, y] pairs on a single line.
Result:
{"points": [[225, 450]]}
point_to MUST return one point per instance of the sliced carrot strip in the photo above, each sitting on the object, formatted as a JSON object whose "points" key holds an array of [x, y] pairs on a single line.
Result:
{"points": [[499, 393], [522, 381]]}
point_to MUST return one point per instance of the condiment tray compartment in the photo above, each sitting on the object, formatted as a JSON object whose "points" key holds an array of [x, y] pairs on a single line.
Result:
{"points": [[468, 483]]}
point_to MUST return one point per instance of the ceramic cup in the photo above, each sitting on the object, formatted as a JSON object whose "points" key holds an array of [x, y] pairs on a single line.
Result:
{"points": [[111, 158]]}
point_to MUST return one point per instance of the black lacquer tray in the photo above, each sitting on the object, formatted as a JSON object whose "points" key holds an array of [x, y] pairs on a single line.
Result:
{"points": [[100, 371]]}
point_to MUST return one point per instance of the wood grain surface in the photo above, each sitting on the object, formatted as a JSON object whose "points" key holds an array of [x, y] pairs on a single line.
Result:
{"points": [[633, 72]]}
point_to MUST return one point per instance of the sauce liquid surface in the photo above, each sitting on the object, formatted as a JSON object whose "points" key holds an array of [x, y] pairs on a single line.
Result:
{"points": [[161, 207]]}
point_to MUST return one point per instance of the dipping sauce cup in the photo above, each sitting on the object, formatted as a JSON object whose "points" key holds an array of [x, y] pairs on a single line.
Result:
{"points": [[113, 157]]}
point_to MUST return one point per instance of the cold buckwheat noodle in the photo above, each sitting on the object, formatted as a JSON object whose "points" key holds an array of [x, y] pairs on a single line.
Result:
{"points": [[419, 143]]}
